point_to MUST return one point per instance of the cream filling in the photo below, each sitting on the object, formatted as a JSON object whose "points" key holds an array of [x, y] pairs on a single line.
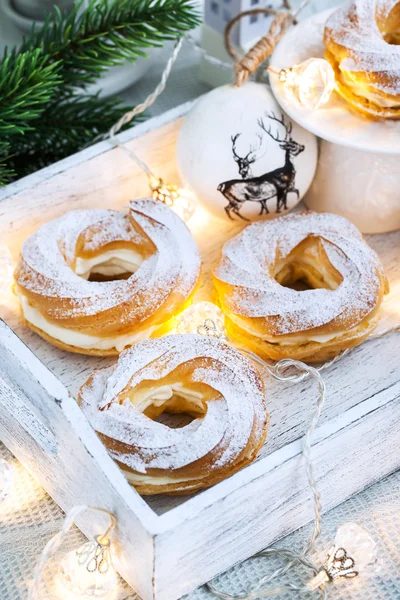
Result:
{"points": [[137, 478], [157, 397], [160, 395], [360, 89], [81, 340], [111, 263], [291, 339]]}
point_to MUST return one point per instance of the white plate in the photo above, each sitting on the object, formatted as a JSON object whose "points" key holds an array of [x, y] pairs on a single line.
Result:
{"points": [[334, 122]]}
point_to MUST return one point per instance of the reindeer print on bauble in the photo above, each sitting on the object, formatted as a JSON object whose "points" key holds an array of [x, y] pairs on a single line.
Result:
{"points": [[274, 184], [244, 162]]}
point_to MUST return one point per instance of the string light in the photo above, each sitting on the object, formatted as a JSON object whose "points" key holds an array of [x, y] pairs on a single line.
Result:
{"points": [[181, 200], [6, 479], [86, 572], [354, 551], [353, 554], [310, 83], [204, 318]]}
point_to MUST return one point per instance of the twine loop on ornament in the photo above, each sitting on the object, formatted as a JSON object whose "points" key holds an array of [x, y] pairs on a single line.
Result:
{"points": [[246, 66]]}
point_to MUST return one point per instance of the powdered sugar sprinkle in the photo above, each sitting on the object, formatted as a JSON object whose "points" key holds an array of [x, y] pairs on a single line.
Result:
{"points": [[248, 265], [47, 260], [237, 412], [355, 26]]}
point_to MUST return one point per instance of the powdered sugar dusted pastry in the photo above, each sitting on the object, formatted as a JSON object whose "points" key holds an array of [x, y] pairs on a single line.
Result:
{"points": [[193, 374], [325, 252], [362, 44], [150, 245]]}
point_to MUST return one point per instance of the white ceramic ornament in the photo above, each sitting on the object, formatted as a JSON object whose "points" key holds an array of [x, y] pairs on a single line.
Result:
{"points": [[242, 157]]}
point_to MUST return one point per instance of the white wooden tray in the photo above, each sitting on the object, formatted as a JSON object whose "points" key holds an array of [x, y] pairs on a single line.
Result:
{"points": [[165, 547]]}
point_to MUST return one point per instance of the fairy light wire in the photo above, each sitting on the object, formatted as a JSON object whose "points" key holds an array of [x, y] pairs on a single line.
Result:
{"points": [[151, 98], [283, 371]]}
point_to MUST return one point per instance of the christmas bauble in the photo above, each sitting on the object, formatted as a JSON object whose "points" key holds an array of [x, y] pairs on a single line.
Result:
{"points": [[242, 157]]}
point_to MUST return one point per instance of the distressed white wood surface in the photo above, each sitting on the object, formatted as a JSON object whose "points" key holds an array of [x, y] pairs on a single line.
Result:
{"points": [[212, 530]]}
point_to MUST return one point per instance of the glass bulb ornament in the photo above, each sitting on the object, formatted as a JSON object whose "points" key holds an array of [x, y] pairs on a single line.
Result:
{"points": [[88, 572], [181, 201], [204, 318], [6, 479], [353, 554], [84, 573], [6, 270], [311, 82], [358, 544]]}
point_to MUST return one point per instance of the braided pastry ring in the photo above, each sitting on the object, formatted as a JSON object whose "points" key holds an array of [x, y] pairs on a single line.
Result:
{"points": [[194, 374], [362, 45], [264, 314], [103, 317]]}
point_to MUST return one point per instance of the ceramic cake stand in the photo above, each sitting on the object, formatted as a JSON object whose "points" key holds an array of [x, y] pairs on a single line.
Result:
{"points": [[358, 174]]}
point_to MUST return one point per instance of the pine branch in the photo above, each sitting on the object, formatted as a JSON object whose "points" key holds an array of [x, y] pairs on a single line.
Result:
{"points": [[65, 128], [27, 82], [42, 118], [6, 173], [87, 43]]}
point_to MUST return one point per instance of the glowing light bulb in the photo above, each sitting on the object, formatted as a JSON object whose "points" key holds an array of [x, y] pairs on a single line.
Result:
{"points": [[353, 554], [204, 318], [181, 200], [88, 572], [6, 270], [311, 82], [84, 573], [6, 478], [358, 545]]}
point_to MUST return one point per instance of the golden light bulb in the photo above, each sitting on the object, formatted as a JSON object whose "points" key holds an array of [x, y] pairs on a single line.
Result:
{"points": [[204, 318], [310, 83], [357, 544], [88, 572], [354, 554], [180, 200], [84, 573]]}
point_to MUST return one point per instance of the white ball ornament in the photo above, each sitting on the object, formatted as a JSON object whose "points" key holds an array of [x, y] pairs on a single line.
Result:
{"points": [[242, 157]]}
